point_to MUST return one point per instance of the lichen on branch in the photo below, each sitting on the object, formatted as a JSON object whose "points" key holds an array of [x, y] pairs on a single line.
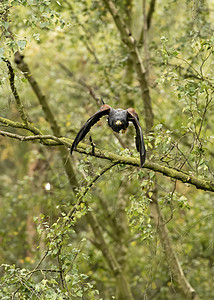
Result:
{"points": [[51, 140]]}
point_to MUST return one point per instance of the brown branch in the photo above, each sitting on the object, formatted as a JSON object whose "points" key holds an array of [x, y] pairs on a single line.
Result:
{"points": [[170, 254], [43, 270], [106, 251], [131, 43], [93, 95], [122, 285], [146, 20], [28, 127], [150, 13], [127, 38], [19, 60], [23, 138], [62, 279], [88, 187], [145, 39], [83, 148], [87, 40], [15, 92], [82, 83], [113, 264]]}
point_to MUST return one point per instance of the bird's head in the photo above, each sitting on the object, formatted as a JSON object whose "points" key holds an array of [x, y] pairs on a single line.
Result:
{"points": [[118, 119]]}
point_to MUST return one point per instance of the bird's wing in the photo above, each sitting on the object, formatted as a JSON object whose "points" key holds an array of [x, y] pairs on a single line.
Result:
{"points": [[133, 117], [104, 110]]}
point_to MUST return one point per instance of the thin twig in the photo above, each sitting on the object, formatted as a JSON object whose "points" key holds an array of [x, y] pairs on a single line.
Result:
{"points": [[88, 187], [43, 270], [93, 95], [15, 92], [64, 285], [35, 137]]}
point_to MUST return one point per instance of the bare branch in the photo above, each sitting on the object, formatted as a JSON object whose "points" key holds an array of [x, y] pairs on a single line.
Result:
{"points": [[147, 19], [88, 187], [150, 13], [145, 39], [28, 127], [93, 95], [15, 92], [19, 59], [34, 137], [171, 255]]}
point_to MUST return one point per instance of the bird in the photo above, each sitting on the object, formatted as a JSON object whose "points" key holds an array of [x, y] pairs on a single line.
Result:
{"points": [[118, 119]]}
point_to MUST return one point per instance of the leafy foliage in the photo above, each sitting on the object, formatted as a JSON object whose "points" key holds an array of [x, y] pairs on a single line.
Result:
{"points": [[75, 52]]}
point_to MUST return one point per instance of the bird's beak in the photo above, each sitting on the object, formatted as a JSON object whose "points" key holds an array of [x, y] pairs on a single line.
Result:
{"points": [[118, 122]]}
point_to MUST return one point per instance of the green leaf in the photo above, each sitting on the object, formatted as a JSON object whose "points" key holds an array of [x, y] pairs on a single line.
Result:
{"points": [[44, 24], [2, 52], [5, 24], [22, 44]]}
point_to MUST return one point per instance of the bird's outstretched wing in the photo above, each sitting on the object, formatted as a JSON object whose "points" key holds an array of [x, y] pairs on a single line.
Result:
{"points": [[104, 110], [133, 117]]}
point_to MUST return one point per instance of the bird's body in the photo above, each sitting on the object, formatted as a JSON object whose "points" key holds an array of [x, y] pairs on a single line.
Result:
{"points": [[118, 119]]}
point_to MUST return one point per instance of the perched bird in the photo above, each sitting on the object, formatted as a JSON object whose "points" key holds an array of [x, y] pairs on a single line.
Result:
{"points": [[118, 119]]}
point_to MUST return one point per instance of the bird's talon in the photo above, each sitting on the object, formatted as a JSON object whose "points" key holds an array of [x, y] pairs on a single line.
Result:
{"points": [[92, 145]]}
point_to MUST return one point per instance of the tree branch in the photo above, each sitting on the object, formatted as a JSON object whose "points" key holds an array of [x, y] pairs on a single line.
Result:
{"points": [[147, 20], [171, 255], [150, 13], [87, 188], [131, 43], [15, 92], [83, 148], [149, 120], [93, 95], [28, 127], [19, 60], [106, 251]]}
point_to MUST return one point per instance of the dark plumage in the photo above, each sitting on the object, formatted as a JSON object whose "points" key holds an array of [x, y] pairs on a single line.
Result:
{"points": [[118, 119]]}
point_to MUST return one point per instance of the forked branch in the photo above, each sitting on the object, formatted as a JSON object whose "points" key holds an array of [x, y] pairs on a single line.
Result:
{"points": [[83, 148]]}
